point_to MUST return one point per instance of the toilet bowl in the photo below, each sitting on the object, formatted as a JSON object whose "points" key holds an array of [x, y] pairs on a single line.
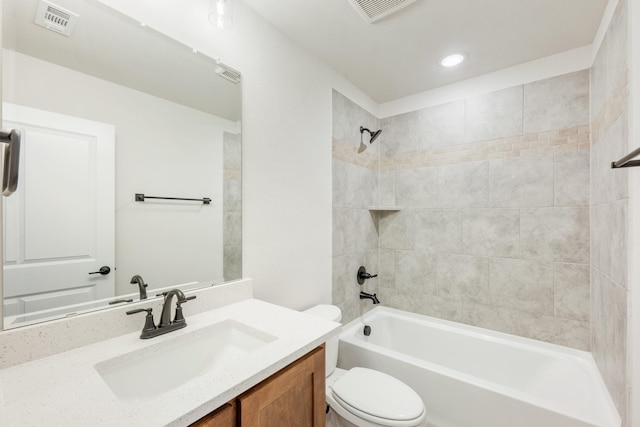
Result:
{"points": [[362, 397]]}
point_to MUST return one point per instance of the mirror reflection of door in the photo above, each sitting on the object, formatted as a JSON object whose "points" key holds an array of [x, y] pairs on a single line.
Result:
{"points": [[59, 224]]}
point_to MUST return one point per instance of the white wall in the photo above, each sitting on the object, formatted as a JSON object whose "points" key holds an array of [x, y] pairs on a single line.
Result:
{"points": [[162, 149]]}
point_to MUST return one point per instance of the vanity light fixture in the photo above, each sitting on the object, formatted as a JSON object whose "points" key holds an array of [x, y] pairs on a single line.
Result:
{"points": [[453, 59], [221, 13]]}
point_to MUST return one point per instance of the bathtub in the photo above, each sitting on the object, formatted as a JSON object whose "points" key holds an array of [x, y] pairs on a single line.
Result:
{"points": [[474, 377]]}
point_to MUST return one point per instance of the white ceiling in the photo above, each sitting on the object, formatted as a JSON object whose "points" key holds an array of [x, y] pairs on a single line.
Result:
{"points": [[113, 47], [399, 55]]}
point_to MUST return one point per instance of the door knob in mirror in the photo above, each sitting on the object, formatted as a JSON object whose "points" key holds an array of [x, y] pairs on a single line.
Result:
{"points": [[104, 270]]}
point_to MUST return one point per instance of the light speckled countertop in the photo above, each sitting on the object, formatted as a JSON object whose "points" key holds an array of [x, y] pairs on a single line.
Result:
{"points": [[66, 390]]}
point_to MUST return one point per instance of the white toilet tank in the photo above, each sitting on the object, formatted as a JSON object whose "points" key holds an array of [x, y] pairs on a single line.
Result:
{"points": [[332, 313]]}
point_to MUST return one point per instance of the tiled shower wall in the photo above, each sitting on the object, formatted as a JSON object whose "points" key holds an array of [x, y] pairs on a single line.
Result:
{"points": [[355, 189], [232, 194], [494, 230], [494, 226], [609, 208]]}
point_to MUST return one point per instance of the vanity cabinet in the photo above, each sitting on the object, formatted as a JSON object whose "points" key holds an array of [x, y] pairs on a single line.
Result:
{"points": [[294, 396], [224, 416]]}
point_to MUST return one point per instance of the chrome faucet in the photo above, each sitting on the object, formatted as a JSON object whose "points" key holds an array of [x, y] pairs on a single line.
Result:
{"points": [[141, 285], [150, 330], [372, 297]]}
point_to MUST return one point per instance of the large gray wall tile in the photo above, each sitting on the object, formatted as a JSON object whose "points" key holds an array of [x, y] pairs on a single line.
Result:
{"points": [[464, 278], [521, 181], [341, 236], [439, 230], [232, 150], [571, 175], [415, 271], [464, 185], [397, 229], [531, 325], [428, 305], [347, 117], [609, 230], [388, 189], [399, 134], [232, 228], [609, 323], [417, 187], [494, 115], [610, 184], [354, 230], [557, 103], [354, 186], [387, 268], [441, 126], [611, 62], [232, 194], [523, 285], [572, 291], [555, 234], [491, 232], [232, 259]]}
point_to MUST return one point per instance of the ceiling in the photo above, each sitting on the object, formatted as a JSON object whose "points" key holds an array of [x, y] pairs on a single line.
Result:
{"points": [[113, 47], [399, 55]]}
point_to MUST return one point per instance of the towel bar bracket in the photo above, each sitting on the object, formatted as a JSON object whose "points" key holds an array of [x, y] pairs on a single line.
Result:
{"points": [[629, 164]]}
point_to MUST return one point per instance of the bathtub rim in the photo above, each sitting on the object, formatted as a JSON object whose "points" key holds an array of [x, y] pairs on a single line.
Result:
{"points": [[607, 414]]}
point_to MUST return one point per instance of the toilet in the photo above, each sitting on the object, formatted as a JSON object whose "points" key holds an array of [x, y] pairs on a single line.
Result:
{"points": [[362, 397]]}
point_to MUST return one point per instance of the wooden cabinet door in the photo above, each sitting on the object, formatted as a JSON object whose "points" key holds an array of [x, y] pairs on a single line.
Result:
{"points": [[293, 397], [224, 416]]}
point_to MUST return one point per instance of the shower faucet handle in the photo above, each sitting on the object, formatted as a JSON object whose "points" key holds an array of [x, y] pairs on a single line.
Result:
{"points": [[363, 275]]}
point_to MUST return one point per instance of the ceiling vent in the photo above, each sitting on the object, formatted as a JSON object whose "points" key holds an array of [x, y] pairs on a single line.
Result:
{"points": [[374, 10], [228, 72], [55, 18]]}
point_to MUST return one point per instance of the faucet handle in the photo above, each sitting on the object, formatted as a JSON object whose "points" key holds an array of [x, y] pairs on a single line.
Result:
{"points": [[187, 299], [179, 317], [149, 325]]}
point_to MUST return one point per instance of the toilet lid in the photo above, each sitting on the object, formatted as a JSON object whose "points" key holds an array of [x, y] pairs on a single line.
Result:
{"points": [[378, 394]]}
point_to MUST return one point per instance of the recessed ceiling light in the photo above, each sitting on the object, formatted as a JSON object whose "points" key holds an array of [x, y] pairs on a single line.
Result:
{"points": [[453, 59]]}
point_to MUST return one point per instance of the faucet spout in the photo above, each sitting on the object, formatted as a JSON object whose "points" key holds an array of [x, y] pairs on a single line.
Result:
{"points": [[137, 279], [165, 317], [372, 297]]}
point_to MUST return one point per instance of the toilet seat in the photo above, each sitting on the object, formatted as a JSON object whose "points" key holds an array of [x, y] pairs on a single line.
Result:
{"points": [[378, 398]]}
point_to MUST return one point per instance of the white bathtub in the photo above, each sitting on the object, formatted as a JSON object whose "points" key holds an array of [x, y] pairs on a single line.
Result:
{"points": [[474, 377]]}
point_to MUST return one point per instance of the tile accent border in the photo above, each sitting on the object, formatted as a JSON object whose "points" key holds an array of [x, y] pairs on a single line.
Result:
{"points": [[612, 110], [533, 144], [348, 153]]}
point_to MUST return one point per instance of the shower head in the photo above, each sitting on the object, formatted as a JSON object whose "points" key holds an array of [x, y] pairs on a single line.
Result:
{"points": [[372, 137], [375, 135]]}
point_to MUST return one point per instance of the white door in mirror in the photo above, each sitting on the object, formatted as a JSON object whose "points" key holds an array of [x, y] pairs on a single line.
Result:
{"points": [[59, 224]]}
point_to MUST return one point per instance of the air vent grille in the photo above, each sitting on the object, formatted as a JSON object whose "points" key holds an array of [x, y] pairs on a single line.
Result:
{"points": [[374, 10], [55, 18], [228, 73]]}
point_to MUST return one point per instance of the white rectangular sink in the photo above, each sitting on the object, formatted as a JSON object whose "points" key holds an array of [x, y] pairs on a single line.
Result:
{"points": [[161, 367]]}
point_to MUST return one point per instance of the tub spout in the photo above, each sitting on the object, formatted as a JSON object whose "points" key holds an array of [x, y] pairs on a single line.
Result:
{"points": [[372, 297]]}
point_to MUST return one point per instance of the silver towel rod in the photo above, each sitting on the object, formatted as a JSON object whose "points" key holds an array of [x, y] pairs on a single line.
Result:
{"points": [[626, 161]]}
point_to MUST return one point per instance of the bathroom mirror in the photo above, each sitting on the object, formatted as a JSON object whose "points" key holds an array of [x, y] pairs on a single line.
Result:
{"points": [[119, 124]]}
